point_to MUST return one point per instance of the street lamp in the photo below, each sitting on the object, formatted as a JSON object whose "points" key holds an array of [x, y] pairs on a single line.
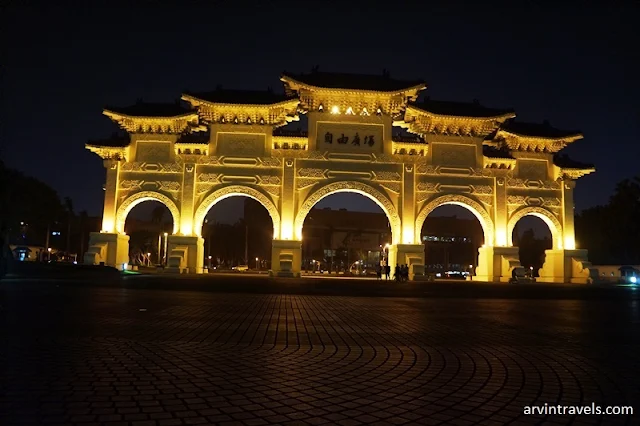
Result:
{"points": [[257, 263], [165, 248], [148, 259]]}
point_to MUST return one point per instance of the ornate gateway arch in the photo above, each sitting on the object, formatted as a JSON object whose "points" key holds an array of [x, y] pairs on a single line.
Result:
{"points": [[225, 143]]}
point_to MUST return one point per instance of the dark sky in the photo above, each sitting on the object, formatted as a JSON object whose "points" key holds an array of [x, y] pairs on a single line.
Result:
{"points": [[574, 64]]}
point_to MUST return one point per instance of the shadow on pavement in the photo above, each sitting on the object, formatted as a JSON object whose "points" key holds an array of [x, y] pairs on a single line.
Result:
{"points": [[260, 284]]}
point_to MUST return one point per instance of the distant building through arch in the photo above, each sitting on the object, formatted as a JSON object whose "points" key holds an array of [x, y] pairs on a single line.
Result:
{"points": [[233, 142]]}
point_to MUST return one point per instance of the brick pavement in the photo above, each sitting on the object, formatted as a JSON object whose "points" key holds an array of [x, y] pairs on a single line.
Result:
{"points": [[91, 356]]}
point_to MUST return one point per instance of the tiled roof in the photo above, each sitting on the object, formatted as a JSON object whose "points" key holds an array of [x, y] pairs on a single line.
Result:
{"points": [[147, 109], [537, 129], [563, 160], [460, 109], [246, 97], [332, 80]]}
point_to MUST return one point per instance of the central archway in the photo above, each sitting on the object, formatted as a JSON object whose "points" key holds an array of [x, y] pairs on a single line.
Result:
{"points": [[231, 191], [350, 186], [459, 200]]}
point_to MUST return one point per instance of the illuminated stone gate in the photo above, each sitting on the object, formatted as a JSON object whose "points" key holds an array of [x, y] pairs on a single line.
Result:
{"points": [[230, 143]]}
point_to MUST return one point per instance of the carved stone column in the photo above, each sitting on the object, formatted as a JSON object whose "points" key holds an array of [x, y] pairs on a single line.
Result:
{"points": [[286, 258], [185, 254], [568, 231], [287, 203], [501, 213], [496, 263], [567, 266], [187, 199], [108, 248], [411, 255], [110, 195], [408, 205]]}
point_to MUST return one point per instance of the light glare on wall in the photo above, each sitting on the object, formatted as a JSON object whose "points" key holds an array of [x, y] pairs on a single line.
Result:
{"points": [[407, 236], [287, 231], [107, 224], [335, 109], [186, 227], [569, 243]]}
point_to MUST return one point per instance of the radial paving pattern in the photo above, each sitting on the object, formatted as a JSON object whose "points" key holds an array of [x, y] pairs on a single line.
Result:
{"points": [[92, 356]]}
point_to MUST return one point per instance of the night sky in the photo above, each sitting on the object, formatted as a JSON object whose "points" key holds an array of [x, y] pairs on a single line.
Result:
{"points": [[574, 65]]}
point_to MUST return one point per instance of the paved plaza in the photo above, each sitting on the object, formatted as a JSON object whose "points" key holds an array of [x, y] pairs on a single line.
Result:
{"points": [[227, 350]]}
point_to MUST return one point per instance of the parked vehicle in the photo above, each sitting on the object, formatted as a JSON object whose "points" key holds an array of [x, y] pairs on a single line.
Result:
{"points": [[521, 275], [241, 268], [629, 275]]}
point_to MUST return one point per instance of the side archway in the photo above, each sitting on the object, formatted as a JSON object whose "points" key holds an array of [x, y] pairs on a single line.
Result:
{"points": [[139, 197], [459, 200], [230, 191], [350, 186], [547, 217]]}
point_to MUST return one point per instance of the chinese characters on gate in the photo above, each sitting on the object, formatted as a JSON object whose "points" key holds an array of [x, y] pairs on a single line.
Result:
{"points": [[343, 140]]}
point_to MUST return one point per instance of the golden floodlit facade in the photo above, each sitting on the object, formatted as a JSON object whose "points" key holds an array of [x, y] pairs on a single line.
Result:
{"points": [[232, 143]]}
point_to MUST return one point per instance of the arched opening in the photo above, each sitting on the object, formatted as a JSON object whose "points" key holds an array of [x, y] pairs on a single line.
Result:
{"points": [[532, 235], [452, 235], [462, 233], [238, 231], [133, 200], [148, 223], [552, 222], [345, 232]]}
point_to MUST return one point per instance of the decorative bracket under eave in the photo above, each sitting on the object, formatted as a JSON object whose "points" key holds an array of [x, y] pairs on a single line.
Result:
{"points": [[499, 163], [108, 153], [575, 173]]}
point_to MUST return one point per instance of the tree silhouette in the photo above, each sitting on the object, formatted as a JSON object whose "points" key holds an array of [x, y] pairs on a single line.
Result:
{"points": [[532, 249], [157, 216], [28, 200], [68, 204], [611, 232]]}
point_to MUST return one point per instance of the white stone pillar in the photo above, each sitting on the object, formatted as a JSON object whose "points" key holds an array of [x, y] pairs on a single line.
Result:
{"points": [[411, 255], [567, 266], [568, 211], [187, 200], [408, 206], [109, 248], [110, 195], [287, 202], [286, 258], [185, 254], [500, 212], [496, 263]]}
